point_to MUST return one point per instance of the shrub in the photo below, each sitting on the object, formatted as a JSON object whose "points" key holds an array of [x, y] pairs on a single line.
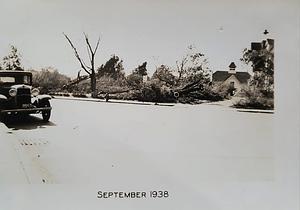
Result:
{"points": [[80, 95], [256, 99], [222, 90]]}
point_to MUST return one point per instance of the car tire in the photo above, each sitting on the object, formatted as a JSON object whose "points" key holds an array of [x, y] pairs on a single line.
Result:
{"points": [[46, 114]]}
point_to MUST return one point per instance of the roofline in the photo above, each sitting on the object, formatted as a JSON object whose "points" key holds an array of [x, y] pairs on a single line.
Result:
{"points": [[235, 71]]}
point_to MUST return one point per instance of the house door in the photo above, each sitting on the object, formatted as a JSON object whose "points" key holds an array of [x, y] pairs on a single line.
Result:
{"points": [[231, 88]]}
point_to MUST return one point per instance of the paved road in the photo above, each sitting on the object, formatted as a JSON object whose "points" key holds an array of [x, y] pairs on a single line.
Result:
{"points": [[89, 142], [186, 149]]}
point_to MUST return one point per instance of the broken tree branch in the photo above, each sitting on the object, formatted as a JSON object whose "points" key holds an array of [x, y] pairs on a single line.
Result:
{"points": [[83, 65]]}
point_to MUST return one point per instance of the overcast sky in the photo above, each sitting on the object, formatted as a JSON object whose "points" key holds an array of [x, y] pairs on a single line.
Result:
{"points": [[138, 30]]}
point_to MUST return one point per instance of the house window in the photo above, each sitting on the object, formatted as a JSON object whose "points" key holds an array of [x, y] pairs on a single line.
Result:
{"points": [[231, 84]]}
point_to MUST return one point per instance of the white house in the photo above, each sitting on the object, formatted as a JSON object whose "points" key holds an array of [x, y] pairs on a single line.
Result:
{"points": [[234, 80]]}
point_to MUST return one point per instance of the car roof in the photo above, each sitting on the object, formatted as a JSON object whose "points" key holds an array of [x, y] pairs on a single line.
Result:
{"points": [[13, 72]]}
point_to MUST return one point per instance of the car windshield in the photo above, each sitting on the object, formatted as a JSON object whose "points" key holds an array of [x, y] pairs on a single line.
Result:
{"points": [[26, 79], [19, 79]]}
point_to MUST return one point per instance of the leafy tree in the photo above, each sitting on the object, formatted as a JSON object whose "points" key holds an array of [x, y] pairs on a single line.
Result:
{"points": [[49, 79], [12, 61], [260, 93], [262, 61], [112, 68], [192, 68], [141, 69]]}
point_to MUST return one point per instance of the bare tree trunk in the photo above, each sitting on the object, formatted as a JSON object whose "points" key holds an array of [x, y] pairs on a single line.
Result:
{"points": [[90, 70], [93, 84]]}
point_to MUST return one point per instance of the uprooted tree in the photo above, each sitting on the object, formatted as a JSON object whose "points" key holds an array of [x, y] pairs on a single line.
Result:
{"points": [[163, 73], [192, 72], [188, 82], [89, 69]]}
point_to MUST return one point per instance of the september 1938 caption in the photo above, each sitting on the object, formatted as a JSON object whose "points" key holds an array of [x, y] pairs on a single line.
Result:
{"points": [[133, 194]]}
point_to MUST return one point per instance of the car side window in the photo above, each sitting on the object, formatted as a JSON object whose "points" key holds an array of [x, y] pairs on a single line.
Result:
{"points": [[7, 79]]}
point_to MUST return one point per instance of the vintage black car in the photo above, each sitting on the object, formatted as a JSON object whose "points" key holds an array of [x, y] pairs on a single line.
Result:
{"points": [[18, 97]]}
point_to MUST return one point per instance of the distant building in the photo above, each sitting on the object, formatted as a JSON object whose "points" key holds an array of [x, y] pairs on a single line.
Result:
{"points": [[234, 80]]}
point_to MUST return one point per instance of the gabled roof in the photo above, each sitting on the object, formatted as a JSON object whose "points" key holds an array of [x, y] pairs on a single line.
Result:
{"points": [[221, 76]]}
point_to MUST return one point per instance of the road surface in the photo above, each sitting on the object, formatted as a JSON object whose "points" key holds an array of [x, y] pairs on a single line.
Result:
{"points": [[183, 148]]}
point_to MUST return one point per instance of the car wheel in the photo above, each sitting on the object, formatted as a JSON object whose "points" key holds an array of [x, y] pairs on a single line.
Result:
{"points": [[46, 114]]}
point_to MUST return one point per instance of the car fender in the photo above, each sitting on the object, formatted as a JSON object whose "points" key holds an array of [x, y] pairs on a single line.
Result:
{"points": [[3, 97], [40, 99], [44, 97]]}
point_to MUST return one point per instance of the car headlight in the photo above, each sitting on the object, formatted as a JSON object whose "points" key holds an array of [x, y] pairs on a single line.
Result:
{"points": [[12, 92], [35, 92]]}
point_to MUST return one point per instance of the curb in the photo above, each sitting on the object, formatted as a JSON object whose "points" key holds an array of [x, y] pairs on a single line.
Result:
{"points": [[112, 101], [255, 111], [264, 111]]}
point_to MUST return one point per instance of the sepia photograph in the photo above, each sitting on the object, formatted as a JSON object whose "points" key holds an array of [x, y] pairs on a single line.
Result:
{"points": [[139, 104]]}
